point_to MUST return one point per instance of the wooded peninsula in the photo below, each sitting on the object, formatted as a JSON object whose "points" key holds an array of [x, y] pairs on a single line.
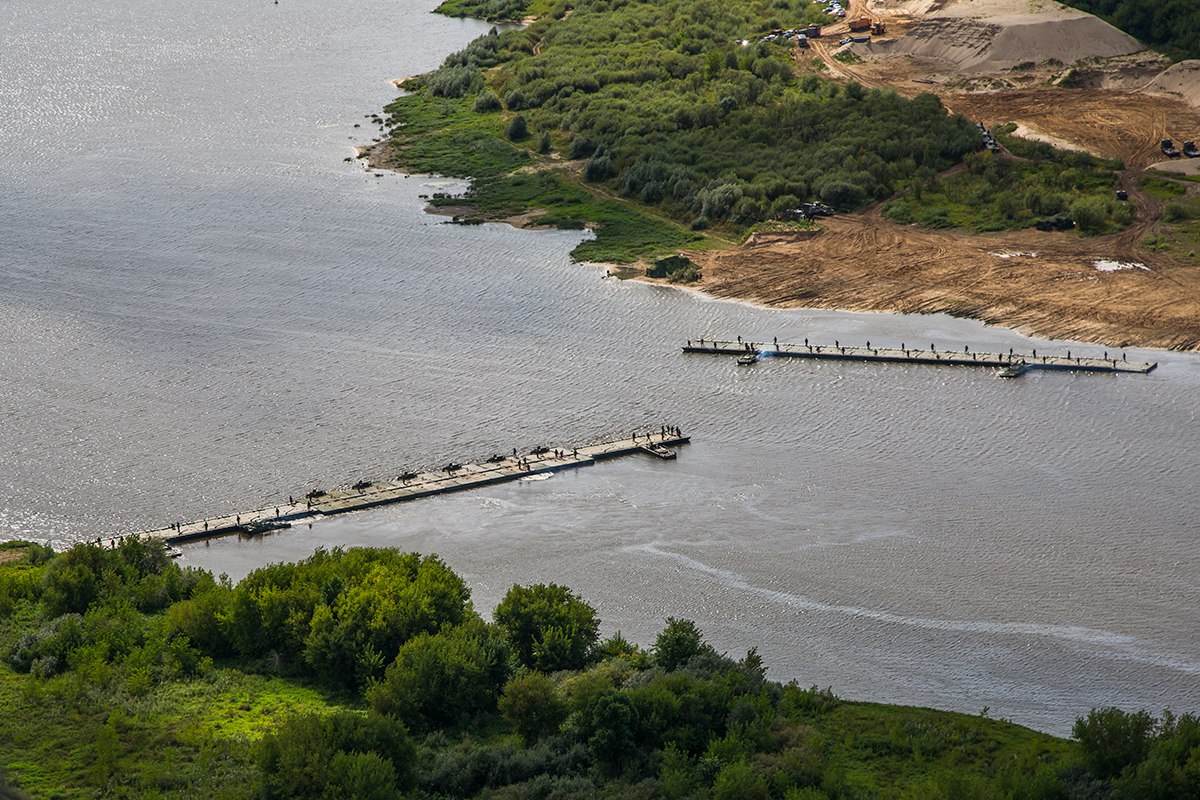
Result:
{"points": [[666, 107], [707, 130]]}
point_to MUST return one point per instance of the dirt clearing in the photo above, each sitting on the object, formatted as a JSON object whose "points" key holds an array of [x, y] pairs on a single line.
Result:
{"points": [[1048, 284]]}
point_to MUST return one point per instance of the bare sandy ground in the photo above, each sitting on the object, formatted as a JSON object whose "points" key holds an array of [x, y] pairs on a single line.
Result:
{"points": [[1184, 166], [1028, 132], [976, 36], [1181, 80], [1047, 284]]}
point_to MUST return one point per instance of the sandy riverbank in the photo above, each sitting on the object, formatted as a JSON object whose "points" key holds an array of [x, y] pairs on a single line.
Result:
{"points": [[1045, 284]]}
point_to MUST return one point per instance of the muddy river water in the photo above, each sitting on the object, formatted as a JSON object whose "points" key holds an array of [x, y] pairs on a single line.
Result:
{"points": [[204, 308]]}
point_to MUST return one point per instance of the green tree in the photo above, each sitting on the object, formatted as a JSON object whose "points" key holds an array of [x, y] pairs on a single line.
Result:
{"points": [[442, 678], [611, 728], [532, 705], [676, 776], [1171, 768], [549, 627], [361, 776], [739, 782], [344, 754], [1113, 739], [678, 643], [517, 129], [617, 646]]}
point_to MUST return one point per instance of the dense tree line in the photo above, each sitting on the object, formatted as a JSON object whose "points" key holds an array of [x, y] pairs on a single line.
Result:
{"points": [[1172, 26], [439, 703]]}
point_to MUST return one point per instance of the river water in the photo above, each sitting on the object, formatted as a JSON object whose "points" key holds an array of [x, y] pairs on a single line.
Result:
{"points": [[205, 309]]}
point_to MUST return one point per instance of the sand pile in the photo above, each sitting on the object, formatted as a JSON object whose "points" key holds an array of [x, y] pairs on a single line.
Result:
{"points": [[1182, 80], [978, 36]]}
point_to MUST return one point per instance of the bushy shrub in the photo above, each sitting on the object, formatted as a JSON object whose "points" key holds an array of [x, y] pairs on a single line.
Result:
{"points": [[599, 167], [1090, 214], [518, 129], [548, 626], [344, 755], [453, 81], [486, 101], [443, 678], [532, 705]]}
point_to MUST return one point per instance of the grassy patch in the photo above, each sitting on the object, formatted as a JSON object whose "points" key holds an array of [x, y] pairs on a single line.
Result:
{"points": [[928, 753], [200, 733], [623, 232], [996, 193], [1178, 231], [444, 136], [1162, 188]]}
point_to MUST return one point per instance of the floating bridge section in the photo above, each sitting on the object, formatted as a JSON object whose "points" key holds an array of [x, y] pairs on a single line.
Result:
{"points": [[1018, 362], [415, 485]]}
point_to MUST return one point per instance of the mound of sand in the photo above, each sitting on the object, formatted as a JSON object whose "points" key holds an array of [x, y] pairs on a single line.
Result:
{"points": [[1182, 80], [977, 36]]}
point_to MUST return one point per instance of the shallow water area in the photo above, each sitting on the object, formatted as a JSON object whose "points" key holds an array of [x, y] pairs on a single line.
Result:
{"points": [[206, 309]]}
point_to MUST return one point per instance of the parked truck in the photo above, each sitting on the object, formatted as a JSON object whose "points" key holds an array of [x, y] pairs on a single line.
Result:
{"points": [[861, 24]]}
